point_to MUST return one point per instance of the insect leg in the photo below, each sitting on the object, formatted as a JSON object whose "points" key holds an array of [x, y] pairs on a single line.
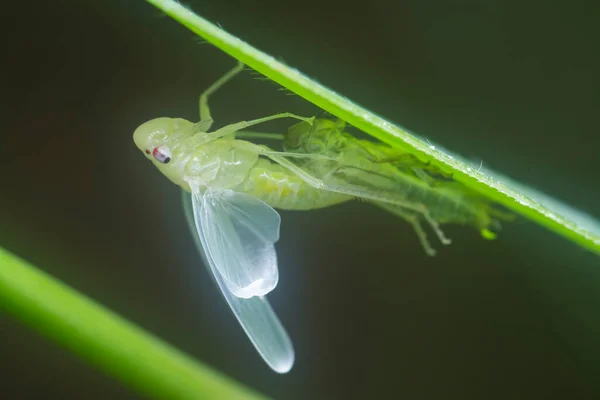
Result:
{"points": [[349, 189], [436, 228], [414, 221], [265, 151], [424, 211], [205, 117], [238, 126], [363, 193], [259, 135]]}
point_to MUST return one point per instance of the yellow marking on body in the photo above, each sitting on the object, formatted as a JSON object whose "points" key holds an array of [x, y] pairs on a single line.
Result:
{"points": [[274, 182]]}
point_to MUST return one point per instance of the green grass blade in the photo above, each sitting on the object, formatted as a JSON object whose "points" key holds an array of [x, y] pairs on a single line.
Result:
{"points": [[570, 223], [113, 344]]}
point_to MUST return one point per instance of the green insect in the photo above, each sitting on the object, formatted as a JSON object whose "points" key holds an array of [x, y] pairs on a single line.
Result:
{"points": [[236, 184], [390, 178]]}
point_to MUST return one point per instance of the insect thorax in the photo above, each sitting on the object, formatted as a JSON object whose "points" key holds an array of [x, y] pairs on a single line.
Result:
{"points": [[218, 164]]}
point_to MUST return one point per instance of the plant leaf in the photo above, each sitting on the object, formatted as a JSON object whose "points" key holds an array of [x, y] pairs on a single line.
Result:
{"points": [[554, 215]]}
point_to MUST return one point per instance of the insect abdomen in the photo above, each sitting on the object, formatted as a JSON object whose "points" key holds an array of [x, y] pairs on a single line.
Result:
{"points": [[279, 188], [454, 208]]}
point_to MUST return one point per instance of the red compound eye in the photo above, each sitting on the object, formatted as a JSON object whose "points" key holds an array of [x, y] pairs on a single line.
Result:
{"points": [[161, 155]]}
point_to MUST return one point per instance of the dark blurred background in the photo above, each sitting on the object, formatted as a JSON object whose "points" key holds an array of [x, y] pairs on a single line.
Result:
{"points": [[512, 83]]}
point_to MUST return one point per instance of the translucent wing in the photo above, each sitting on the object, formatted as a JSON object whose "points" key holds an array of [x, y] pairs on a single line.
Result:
{"points": [[237, 233], [254, 314]]}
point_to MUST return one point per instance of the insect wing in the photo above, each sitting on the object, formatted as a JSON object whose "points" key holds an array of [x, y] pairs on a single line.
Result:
{"points": [[254, 314], [263, 328], [238, 232]]}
